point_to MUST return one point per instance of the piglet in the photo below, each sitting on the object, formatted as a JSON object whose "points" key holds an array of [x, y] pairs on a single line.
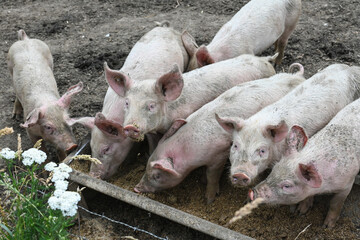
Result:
{"points": [[201, 141], [326, 163], [259, 141], [258, 25], [153, 55], [46, 114], [152, 105]]}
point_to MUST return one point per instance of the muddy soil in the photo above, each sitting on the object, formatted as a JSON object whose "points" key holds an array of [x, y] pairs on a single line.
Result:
{"points": [[84, 34]]}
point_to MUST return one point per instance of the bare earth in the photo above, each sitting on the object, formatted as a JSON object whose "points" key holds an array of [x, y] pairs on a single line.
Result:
{"points": [[82, 35]]}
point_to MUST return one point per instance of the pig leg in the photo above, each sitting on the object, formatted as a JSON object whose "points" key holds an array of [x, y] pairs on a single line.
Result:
{"points": [[213, 174], [305, 205], [18, 109], [336, 205], [153, 140], [280, 44]]}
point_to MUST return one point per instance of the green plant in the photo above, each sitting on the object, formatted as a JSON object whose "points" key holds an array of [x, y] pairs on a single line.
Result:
{"points": [[29, 216]]}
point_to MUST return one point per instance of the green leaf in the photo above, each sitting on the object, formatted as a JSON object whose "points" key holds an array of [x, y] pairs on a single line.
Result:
{"points": [[7, 230]]}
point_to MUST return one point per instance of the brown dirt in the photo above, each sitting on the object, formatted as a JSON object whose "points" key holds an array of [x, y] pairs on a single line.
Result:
{"points": [[328, 32]]}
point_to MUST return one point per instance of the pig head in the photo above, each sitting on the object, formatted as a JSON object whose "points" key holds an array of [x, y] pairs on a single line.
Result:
{"points": [[145, 101], [52, 123]]}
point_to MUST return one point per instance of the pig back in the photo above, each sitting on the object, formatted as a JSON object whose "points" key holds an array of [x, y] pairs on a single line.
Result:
{"points": [[30, 63], [155, 53], [315, 102], [336, 148]]}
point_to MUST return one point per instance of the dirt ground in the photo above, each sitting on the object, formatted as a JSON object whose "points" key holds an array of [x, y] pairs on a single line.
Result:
{"points": [[84, 34]]}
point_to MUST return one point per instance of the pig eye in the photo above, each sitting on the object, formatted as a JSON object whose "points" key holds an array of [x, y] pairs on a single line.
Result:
{"points": [[262, 152], [157, 176], [127, 103], [286, 186], [49, 129], [152, 106], [105, 150]]}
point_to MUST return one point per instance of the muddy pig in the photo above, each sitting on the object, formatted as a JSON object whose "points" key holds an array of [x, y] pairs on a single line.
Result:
{"points": [[46, 114], [152, 105], [153, 55], [258, 25], [327, 163], [258, 141], [203, 142]]}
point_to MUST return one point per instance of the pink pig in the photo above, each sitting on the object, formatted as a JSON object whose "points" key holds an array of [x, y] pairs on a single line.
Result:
{"points": [[152, 105], [258, 25], [202, 141], [153, 55], [46, 114], [327, 163], [259, 141]]}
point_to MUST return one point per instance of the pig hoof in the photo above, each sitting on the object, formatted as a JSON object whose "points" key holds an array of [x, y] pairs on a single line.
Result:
{"points": [[210, 200], [329, 223], [329, 226]]}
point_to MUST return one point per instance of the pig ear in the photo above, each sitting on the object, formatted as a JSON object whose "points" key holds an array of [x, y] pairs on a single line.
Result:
{"points": [[117, 80], [177, 124], [164, 165], [189, 43], [65, 100], [296, 139], [203, 56], [230, 124], [308, 174], [169, 86], [85, 121], [108, 127], [277, 132], [32, 118]]}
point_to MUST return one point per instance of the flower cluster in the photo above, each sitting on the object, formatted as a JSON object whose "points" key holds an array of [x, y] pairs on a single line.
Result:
{"points": [[7, 153], [33, 155], [64, 200]]}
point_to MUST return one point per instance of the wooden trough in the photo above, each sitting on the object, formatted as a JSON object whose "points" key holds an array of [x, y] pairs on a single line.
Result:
{"points": [[155, 207]]}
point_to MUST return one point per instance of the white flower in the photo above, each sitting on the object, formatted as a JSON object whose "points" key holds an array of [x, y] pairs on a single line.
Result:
{"points": [[58, 192], [61, 185], [54, 202], [50, 166], [66, 201], [59, 176], [72, 197], [64, 168], [7, 153], [33, 155], [71, 212], [28, 161]]}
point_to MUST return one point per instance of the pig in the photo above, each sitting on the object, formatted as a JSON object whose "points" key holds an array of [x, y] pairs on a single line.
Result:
{"points": [[151, 106], [46, 113], [259, 141], [258, 25], [201, 141], [152, 56], [326, 163]]}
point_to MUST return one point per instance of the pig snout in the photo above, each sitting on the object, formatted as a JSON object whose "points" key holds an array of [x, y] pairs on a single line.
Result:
{"points": [[240, 179], [132, 131], [143, 188]]}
